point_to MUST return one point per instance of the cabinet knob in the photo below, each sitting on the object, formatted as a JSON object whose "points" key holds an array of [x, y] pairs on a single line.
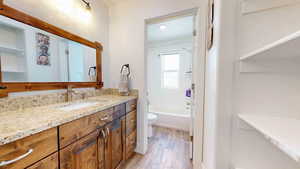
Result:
{"points": [[103, 134]]}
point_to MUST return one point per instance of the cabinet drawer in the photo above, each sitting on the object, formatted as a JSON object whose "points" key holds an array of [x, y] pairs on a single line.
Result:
{"points": [[29, 150], [70, 132], [131, 122], [50, 162], [131, 105], [130, 145], [119, 111]]}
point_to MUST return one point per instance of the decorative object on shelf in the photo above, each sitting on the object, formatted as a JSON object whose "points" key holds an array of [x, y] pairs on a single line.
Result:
{"points": [[188, 93], [210, 31], [88, 4], [124, 80], [43, 46]]}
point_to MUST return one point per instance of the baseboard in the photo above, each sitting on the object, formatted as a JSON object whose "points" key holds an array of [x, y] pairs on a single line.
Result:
{"points": [[140, 150]]}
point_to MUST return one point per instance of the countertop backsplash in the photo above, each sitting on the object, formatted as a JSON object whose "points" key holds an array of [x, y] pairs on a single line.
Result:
{"points": [[22, 102]]}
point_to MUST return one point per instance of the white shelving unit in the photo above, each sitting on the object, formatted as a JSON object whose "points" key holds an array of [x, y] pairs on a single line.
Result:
{"points": [[280, 56], [282, 132], [7, 49], [285, 48], [12, 53]]}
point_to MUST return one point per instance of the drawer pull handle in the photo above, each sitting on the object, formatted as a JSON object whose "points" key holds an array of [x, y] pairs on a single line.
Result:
{"points": [[103, 134], [4, 163], [107, 129], [105, 118]]}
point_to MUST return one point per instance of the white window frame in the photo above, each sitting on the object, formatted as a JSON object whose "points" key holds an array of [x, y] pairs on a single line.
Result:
{"points": [[163, 71]]}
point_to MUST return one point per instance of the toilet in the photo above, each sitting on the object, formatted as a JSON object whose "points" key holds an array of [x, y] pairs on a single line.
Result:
{"points": [[152, 118]]}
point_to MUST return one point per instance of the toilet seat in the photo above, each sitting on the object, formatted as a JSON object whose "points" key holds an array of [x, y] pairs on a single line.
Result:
{"points": [[152, 117]]}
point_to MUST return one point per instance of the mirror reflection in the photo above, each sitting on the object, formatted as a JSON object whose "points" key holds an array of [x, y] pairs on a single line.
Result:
{"points": [[29, 54]]}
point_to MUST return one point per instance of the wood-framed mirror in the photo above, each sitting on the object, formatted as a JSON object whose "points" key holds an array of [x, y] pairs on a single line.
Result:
{"points": [[35, 55]]}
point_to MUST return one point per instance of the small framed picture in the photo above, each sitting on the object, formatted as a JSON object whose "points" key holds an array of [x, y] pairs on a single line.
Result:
{"points": [[43, 49]]}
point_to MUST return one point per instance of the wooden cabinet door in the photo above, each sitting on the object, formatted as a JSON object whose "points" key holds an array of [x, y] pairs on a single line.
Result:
{"points": [[50, 162], [116, 143], [108, 148], [131, 122], [101, 149], [113, 151], [130, 145], [81, 154], [123, 124]]}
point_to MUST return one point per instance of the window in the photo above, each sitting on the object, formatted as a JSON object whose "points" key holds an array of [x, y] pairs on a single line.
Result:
{"points": [[170, 71]]}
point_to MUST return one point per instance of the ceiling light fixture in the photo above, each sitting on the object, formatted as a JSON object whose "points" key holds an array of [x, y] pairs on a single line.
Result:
{"points": [[88, 4], [163, 27]]}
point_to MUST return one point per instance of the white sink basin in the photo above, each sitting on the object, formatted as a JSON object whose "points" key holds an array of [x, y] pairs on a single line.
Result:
{"points": [[76, 106]]}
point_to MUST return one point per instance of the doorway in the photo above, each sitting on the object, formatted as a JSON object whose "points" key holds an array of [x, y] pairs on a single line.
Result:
{"points": [[170, 50]]}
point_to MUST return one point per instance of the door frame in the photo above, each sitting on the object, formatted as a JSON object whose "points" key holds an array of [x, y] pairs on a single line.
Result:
{"points": [[199, 62]]}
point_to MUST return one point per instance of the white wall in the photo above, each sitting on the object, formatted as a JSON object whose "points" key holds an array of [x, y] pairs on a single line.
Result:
{"points": [[264, 93], [127, 36], [209, 141], [219, 88], [169, 100], [92, 26]]}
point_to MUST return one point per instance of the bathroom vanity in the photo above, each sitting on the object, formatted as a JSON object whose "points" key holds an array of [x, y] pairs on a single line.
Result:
{"points": [[96, 133]]}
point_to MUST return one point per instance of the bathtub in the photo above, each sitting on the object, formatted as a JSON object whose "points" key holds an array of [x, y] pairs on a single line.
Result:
{"points": [[175, 119]]}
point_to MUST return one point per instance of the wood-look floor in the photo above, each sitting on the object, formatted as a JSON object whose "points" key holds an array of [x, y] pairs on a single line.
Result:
{"points": [[168, 149]]}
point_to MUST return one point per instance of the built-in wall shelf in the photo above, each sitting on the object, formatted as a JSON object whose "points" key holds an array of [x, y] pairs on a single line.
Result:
{"points": [[282, 55], [11, 50], [285, 48], [283, 132], [255, 6], [13, 71]]}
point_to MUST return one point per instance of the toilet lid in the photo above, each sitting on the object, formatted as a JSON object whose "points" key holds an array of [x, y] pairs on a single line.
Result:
{"points": [[152, 116]]}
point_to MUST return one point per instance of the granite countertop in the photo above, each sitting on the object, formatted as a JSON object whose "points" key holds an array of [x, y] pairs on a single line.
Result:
{"points": [[15, 125]]}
